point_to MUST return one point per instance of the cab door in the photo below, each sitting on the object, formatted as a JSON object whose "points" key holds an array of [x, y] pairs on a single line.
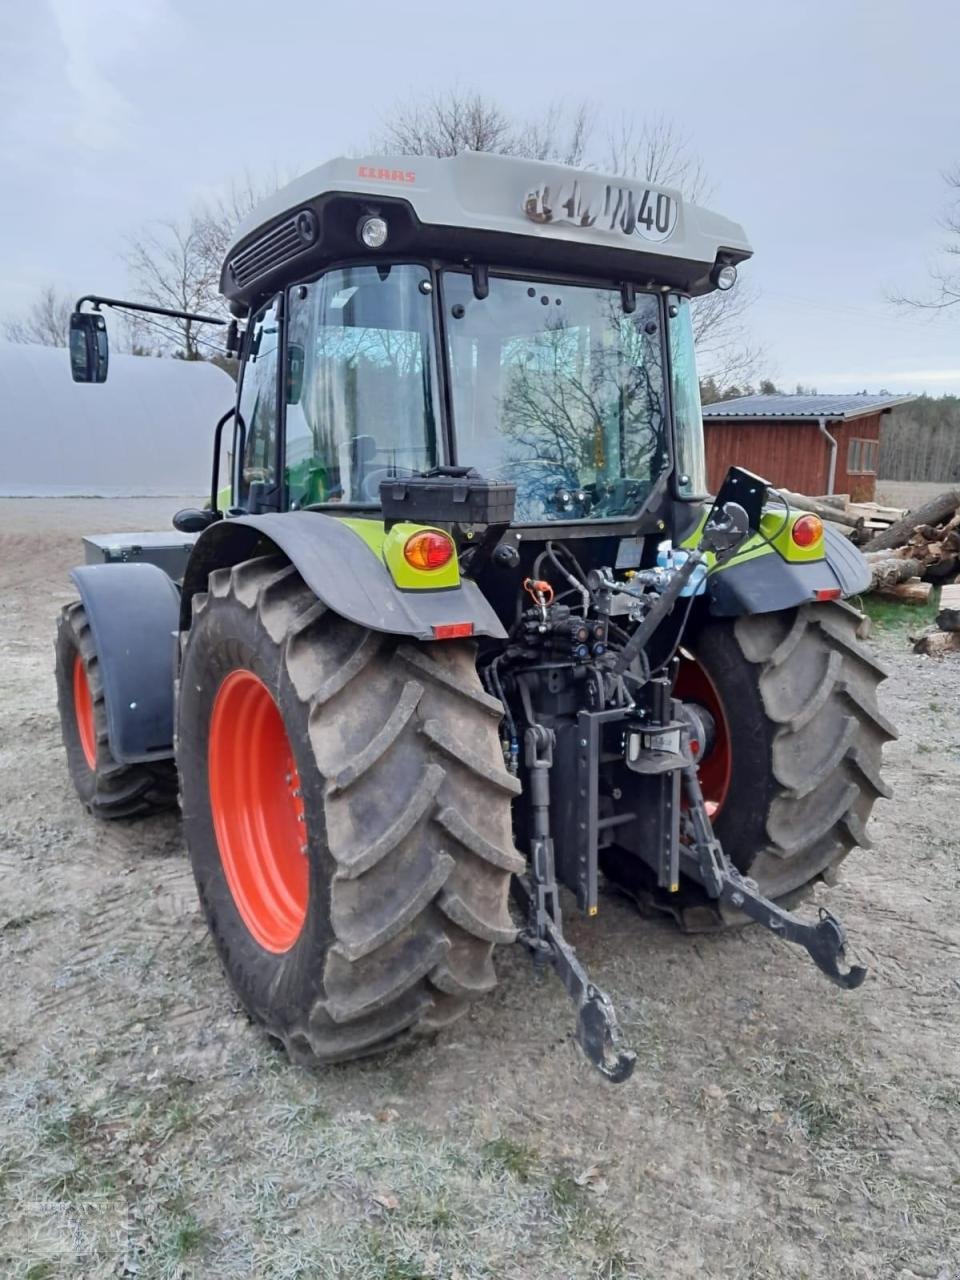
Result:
{"points": [[256, 484]]}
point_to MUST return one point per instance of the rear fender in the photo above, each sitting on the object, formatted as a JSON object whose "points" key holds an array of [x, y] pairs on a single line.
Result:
{"points": [[766, 582], [342, 569], [133, 611]]}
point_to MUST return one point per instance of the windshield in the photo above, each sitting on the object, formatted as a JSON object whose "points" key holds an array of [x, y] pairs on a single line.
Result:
{"points": [[360, 383], [558, 390]]}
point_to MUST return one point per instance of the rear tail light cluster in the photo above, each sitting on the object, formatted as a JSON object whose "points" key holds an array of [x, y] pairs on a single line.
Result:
{"points": [[428, 550], [807, 530]]}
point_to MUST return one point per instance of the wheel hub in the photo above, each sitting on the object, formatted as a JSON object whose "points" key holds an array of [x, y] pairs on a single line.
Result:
{"points": [[83, 710], [715, 762], [258, 811]]}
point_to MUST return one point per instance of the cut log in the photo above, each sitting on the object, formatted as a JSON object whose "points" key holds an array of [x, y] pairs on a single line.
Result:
{"points": [[889, 571], [934, 512], [823, 509], [948, 619], [873, 511], [841, 500], [912, 592], [938, 644]]}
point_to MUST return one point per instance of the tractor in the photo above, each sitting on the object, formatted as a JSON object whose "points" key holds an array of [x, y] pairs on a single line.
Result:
{"points": [[466, 625]]}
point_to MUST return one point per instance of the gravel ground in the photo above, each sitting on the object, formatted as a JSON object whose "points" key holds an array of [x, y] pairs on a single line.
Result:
{"points": [[775, 1126]]}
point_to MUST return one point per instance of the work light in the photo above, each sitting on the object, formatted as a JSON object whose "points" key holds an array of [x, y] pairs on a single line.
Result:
{"points": [[725, 277], [373, 232]]}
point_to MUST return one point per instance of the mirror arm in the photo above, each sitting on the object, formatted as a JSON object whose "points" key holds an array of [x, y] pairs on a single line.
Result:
{"points": [[98, 302]]}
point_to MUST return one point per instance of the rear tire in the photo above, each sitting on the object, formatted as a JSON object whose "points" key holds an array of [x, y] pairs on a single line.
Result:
{"points": [[108, 788], [394, 761], [798, 694]]}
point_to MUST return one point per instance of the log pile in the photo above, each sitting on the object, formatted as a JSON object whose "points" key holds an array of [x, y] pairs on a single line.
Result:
{"points": [[921, 549]]}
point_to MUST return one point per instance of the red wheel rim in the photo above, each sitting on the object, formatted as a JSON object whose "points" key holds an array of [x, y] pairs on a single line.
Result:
{"points": [[258, 813], [83, 710], [714, 770]]}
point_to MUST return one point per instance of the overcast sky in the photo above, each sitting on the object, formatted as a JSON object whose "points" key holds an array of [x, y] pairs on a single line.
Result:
{"points": [[825, 128]]}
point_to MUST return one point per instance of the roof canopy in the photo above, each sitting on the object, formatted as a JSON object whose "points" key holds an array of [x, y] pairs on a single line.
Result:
{"points": [[833, 408], [496, 209]]}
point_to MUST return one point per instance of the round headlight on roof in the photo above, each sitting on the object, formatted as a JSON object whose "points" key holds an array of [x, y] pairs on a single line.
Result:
{"points": [[373, 232], [724, 277]]}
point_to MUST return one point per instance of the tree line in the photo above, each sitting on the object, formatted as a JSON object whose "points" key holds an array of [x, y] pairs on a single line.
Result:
{"points": [[921, 441]]}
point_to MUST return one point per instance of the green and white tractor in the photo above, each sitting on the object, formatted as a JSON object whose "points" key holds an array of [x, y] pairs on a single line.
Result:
{"points": [[468, 624]]}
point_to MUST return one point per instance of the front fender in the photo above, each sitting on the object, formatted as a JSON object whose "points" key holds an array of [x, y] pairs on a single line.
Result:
{"points": [[768, 583], [342, 570]]}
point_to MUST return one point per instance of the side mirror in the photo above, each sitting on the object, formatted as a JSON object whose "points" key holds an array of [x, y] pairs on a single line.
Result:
{"points": [[194, 520], [89, 350]]}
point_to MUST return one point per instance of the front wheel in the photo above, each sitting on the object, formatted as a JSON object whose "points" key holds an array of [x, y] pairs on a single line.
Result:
{"points": [[347, 813], [794, 768]]}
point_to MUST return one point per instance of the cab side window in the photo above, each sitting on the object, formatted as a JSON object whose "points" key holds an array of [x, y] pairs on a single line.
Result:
{"points": [[259, 410]]}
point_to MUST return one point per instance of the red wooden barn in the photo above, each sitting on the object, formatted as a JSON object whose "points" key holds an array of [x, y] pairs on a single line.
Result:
{"points": [[810, 444]]}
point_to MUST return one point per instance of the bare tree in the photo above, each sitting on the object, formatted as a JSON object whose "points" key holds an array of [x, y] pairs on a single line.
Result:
{"points": [[560, 134], [215, 223], [725, 352], [655, 149], [177, 265], [170, 268], [945, 274], [46, 323], [445, 124]]}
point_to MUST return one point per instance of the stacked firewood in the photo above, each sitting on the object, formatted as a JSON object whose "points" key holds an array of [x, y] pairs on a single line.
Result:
{"points": [[914, 554]]}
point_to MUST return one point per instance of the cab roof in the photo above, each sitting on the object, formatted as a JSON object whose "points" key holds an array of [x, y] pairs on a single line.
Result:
{"points": [[496, 210]]}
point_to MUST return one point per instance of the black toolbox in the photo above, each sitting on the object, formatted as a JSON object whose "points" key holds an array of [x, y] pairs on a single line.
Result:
{"points": [[447, 495]]}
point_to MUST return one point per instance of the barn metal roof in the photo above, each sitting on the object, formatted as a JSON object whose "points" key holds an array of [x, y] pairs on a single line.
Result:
{"points": [[835, 408]]}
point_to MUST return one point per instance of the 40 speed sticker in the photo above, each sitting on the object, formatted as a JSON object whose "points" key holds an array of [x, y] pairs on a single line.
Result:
{"points": [[632, 211]]}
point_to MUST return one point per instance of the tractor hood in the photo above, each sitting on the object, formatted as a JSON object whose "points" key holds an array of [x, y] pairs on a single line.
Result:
{"points": [[499, 209]]}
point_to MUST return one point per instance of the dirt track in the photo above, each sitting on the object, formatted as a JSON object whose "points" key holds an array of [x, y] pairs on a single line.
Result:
{"points": [[775, 1126]]}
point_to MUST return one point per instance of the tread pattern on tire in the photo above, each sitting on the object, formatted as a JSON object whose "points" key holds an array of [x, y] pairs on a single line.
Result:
{"points": [[818, 683], [422, 857], [112, 790]]}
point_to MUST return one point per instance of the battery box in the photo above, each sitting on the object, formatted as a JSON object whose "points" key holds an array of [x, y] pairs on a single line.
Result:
{"points": [[168, 551]]}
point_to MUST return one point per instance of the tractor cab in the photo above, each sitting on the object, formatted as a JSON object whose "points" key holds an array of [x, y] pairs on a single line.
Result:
{"points": [[530, 322]]}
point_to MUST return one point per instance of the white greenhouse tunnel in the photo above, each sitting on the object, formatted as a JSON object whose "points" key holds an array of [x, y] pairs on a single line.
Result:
{"points": [[146, 432]]}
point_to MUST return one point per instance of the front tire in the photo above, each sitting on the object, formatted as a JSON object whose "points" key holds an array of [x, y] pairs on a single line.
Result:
{"points": [[376, 763]]}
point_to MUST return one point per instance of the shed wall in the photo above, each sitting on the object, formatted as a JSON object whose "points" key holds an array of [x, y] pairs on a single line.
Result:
{"points": [[791, 455]]}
